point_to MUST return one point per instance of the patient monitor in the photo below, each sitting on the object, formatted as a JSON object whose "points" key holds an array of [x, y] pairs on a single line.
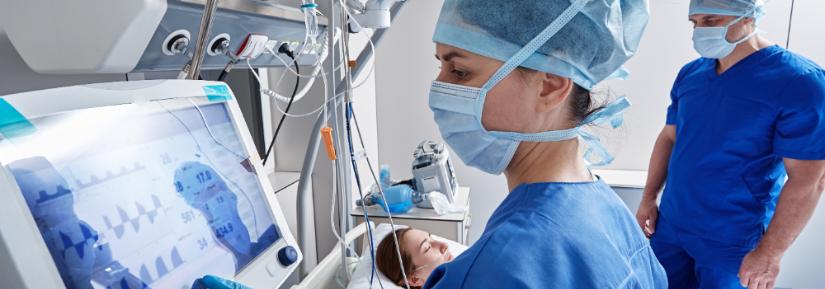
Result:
{"points": [[148, 184]]}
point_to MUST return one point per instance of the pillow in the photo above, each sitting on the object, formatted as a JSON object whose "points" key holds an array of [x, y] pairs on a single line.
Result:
{"points": [[361, 277]]}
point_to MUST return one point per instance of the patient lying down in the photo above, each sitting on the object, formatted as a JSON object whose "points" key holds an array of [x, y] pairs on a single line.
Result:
{"points": [[420, 253]]}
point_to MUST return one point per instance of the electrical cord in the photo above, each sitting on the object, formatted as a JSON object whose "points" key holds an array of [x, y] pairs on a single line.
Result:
{"points": [[790, 25], [351, 114], [285, 50], [227, 68], [277, 97], [381, 192], [360, 191], [318, 67]]}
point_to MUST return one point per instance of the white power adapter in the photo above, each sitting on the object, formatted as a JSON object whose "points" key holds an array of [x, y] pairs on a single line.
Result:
{"points": [[253, 46]]}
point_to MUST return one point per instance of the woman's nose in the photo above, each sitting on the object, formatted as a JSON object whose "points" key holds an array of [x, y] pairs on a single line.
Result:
{"points": [[442, 76], [442, 247]]}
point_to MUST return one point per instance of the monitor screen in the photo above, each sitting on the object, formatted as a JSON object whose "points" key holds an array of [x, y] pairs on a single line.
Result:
{"points": [[142, 196]]}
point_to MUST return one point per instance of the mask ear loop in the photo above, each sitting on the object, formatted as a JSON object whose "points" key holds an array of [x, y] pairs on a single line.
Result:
{"points": [[612, 114], [525, 52], [595, 148], [756, 29]]}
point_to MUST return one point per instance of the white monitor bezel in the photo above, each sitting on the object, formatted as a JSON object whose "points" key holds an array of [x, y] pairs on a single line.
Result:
{"points": [[33, 264]]}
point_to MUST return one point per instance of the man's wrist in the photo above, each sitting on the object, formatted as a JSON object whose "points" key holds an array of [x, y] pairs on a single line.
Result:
{"points": [[770, 248], [650, 196]]}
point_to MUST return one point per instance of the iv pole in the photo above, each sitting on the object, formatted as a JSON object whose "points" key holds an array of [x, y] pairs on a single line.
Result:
{"points": [[311, 155]]}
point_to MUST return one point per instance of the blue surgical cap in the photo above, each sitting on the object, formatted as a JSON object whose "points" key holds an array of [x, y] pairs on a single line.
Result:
{"points": [[747, 8], [592, 47]]}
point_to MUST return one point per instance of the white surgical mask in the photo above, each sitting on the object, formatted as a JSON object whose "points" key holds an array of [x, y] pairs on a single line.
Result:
{"points": [[712, 42]]}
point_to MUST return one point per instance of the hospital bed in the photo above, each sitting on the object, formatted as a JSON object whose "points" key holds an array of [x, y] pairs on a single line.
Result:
{"points": [[327, 273]]}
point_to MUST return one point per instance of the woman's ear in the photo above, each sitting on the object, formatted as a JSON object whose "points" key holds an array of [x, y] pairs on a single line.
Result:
{"points": [[554, 91]]}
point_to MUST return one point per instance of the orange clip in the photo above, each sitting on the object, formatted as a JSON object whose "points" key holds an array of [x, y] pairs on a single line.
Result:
{"points": [[352, 63], [326, 133]]}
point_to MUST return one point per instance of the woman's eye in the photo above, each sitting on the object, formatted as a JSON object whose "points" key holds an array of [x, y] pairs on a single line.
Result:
{"points": [[459, 73]]}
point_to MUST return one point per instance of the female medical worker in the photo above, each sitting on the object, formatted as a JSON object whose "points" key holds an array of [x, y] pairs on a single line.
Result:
{"points": [[513, 97]]}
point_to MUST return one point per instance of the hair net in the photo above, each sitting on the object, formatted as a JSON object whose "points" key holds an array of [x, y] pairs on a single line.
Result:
{"points": [[592, 47], [748, 8]]}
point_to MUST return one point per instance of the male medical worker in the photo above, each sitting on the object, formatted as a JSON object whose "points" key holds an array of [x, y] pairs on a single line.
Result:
{"points": [[743, 117]]}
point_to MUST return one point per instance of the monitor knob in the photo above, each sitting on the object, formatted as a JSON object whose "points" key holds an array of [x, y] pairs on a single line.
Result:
{"points": [[287, 256]]}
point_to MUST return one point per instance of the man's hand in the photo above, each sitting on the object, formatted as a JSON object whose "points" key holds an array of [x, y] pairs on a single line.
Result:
{"points": [[648, 211], [647, 215], [796, 205], [759, 269]]}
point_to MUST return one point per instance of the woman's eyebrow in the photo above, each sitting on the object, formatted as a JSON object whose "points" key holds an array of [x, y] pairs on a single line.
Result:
{"points": [[712, 18], [424, 241], [450, 55]]}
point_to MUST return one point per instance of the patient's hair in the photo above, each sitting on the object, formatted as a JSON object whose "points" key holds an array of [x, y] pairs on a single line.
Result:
{"points": [[386, 258]]}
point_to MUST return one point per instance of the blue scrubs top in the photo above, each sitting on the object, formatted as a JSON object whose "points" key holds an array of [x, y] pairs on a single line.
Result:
{"points": [[732, 132], [556, 235]]}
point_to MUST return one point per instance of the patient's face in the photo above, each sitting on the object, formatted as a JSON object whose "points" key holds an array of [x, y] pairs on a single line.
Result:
{"points": [[426, 253]]}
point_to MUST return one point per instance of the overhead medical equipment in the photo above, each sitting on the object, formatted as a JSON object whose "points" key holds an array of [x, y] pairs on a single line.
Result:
{"points": [[373, 13], [433, 171], [98, 36], [147, 183]]}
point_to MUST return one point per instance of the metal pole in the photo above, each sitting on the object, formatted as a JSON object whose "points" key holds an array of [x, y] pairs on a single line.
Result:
{"points": [[311, 155], [304, 194], [346, 196], [337, 117], [205, 28]]}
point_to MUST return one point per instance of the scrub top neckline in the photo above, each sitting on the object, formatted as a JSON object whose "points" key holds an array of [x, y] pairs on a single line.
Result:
{"points": [[524, 186], [744, 63]]}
